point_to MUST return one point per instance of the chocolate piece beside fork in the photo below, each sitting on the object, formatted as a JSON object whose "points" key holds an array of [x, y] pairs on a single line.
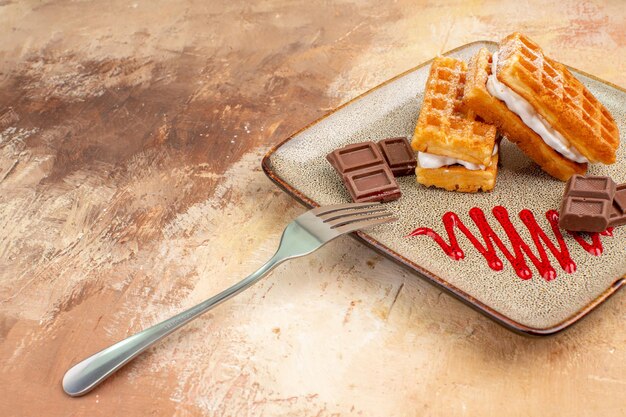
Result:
{"points": [[365, 173]]}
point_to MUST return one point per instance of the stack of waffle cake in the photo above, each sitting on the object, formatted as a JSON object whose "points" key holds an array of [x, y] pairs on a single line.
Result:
{"points": [[516, 91]]}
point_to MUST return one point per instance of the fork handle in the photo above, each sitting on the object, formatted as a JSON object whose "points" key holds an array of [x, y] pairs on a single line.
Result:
{"points": [[87, 374]]}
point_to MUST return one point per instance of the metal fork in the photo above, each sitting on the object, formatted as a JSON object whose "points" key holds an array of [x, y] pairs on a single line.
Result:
{"points": [[302, 236]]}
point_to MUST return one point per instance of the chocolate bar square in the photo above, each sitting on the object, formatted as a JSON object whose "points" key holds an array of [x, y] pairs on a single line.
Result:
{"points": [[364, 172], [399, 155], [591, 187], [354, 157], [618, 211], [620, 197], [587, 204], [590, 214], [372, 184]]}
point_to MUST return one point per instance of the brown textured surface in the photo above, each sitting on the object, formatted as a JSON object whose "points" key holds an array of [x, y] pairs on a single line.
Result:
{"points": [[118, 122]]}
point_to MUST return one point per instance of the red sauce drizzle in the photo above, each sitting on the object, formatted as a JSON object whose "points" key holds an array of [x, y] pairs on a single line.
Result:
{"points": [[521, 249]]}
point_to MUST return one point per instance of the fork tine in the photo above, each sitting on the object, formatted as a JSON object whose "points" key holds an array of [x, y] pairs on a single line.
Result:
{"points": [[351, 227], [337, 207], [326, 217], [355, 218]]}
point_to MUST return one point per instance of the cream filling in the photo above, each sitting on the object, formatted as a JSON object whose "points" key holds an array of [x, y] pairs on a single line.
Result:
{"points": [[432, 161], [518, 105]]}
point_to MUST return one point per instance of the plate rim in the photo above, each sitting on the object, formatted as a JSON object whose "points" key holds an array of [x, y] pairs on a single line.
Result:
{"points": [[418, 270]]}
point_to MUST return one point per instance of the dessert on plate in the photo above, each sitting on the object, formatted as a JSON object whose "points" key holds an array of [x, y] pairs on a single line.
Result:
{"points": [[456, 151], [540, 106]]}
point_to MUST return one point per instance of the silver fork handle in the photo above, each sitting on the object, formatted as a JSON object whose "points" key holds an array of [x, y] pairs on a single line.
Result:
{"points": [[87, 374]]}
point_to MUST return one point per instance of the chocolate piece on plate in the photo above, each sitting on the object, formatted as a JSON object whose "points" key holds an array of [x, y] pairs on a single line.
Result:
{"points": [[587, 203], [372, 184], [399, 155], [618, 211], [585, 215], [354, 157], [364, 172]]}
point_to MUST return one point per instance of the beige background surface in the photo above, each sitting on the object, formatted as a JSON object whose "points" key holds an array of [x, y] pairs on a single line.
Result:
{"points": [[130, 188]]}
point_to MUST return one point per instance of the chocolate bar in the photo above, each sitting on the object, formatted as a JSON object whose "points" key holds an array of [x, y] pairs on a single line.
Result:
{"points": [[399, 155], [618, 211], [587, 204], [372, 184], [364, 172], [354, 157]]}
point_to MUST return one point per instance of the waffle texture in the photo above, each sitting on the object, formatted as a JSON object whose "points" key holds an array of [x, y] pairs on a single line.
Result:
{"points": [[444, 127], [478, 99], [558, 97]]}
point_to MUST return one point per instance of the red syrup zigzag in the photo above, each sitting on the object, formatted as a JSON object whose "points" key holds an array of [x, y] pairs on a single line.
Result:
{"points": [[521, 249]]}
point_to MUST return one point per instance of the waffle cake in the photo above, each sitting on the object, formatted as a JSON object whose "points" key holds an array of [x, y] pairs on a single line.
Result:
{"points": [[539, 105], [456, 151]]}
